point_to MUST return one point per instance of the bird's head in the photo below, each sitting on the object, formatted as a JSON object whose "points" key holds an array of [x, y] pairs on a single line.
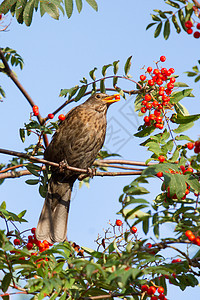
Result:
{"points": [[101, 101]]}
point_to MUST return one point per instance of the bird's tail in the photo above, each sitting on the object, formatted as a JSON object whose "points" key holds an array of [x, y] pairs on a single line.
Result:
{"points": [[52, 224]]}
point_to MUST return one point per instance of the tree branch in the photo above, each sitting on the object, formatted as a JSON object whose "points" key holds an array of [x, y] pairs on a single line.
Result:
{"points": [[12, 76], [43, 161]]}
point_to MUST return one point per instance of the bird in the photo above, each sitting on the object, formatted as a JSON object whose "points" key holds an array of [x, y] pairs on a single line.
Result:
{"points": [[76, 143]]}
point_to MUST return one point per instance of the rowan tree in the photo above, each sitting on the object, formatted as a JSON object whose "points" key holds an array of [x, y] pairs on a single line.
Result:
{"points": [[131, 259]]}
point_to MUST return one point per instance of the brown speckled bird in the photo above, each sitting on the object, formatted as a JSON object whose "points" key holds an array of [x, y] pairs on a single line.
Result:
{"points": [[76, 142]]}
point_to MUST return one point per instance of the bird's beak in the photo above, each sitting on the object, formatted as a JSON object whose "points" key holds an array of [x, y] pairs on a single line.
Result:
{"points": [[112, 99]]}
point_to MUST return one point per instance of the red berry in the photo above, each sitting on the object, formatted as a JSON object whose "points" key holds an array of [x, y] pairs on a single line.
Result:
{"points": [[196, 34], [178, 260], [149, 106], [35, 110], [198, 26], [143, 109], [156, 71], [189, 170], [154, 298], [155, 103], [188, 24], [161, 158], [159, 174], [144, 102], [158, 119], [162, 58], [168, 91], [157, 113], [118, 222], [147, 97], [160, 290], [171, 70], [172, 79], [189, 31], [144, 288], [151, 290], [149, 69], [117, 97], [61, 117], [50, 116], [197, 241], [170, 85], [191, 237], [1, 16], [33, 230], [146, 119], [29, 246], [150, 82], [17, 242], [149, 245], [159, 81], [188, 233], [161, 297], [152, 117], [142, 77], [190, 146], [163, 71], [133, 229], [159, 126]]}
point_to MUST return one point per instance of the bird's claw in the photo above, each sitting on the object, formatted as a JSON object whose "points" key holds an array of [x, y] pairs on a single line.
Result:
{"points": [[91, 172], [62, 166]]}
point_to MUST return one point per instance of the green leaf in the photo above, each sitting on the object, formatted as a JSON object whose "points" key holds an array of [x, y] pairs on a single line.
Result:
{"points": [[166, 31], [50, 8], [127, 65], [155, 18], [182, 19], [180, 119], [6, 282], [158, 30], [197, 78], [150, 25], [175, 22], [93, 4], [79, 5], [180, 109], [69, 7], [116, 66], [28, 12], [145, 224], [32, 181], [20, 5], [145, 132], [104, 69], [177, 96], [3, 205], [22, 134], [81, 92], [91, 73], [191, 74], [183, 127], [102, 86], [172, 3], [6, 6]]}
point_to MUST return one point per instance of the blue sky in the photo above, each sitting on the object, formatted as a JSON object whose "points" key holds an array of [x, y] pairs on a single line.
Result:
{"points": [[57, 55]]}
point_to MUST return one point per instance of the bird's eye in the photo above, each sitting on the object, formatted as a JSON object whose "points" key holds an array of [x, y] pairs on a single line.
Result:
{"points": [[98, 96]]}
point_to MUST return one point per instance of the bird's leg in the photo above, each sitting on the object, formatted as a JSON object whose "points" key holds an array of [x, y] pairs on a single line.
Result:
{"points": [[62, 165], [91, 172]]}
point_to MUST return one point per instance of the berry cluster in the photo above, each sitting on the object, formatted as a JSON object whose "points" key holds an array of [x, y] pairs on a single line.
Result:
{"points": [[195, 145], [151, 290], [189, 26], [192, 238], [156, 101], [33, 241], [119, 223]]}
